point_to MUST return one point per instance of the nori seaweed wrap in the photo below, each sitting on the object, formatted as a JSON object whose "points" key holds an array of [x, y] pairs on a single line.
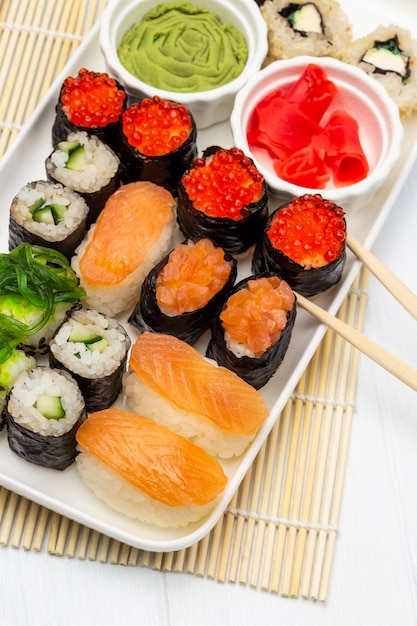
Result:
{"points": [[223, 197], [93, 348], [44, 411], [85, 164], [157, 142], [304, 242], [182, 293], [92, 102], [48, 214], [252, 333]]}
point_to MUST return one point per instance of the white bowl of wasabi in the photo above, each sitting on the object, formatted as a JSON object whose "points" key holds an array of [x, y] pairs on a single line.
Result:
{"points": [[196, 52]]}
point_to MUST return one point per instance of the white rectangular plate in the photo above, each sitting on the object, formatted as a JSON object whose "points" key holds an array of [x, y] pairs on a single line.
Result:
{"points": [[64, 492]]}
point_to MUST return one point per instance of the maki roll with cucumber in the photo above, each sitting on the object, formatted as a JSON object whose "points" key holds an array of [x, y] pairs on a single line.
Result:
{"points": [[223, 196], [185, 290], [44, 411], [93, 348], [85, 164], [48, 214], [319, 28], [158, 142], [252, 333], [389, 55], [92, 102], [304, 242]]}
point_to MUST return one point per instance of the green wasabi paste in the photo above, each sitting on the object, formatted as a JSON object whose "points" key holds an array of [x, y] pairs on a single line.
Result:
{"points": [[182, 47]]}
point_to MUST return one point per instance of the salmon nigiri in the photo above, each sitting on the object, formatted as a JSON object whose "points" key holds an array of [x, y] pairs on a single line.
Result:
{"points": [[171, 382], [133, 232], [145, 470]]}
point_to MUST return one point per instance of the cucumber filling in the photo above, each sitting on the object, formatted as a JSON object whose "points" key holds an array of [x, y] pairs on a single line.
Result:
{"points": [[50, 406], [387, 56], [45, 213], [304, 18], [92, 340], [77, 157]]}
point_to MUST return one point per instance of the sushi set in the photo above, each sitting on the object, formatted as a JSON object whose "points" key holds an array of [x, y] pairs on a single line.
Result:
{"points": [[136, 328]]}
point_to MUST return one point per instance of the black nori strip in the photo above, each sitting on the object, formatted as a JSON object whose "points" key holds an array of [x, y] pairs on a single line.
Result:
{"points": [[165, 170], [190, 325], [255, 371], [95, 199], [19, 234], [308, 282], [47, 451], [108, 134], [100, 392], [234, 236]]}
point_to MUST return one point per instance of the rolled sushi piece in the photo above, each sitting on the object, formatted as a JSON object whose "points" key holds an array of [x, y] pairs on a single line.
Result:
{"points": [[146, 471], [133, 233], [389, 55], [10, 369], [223, 196], [253, 331], [44, 410], [319, 28], [183, 292], [172, 383], [305, 243], [85, 164], [48, 214], [158, 142], [92, 102], [93, 348]]}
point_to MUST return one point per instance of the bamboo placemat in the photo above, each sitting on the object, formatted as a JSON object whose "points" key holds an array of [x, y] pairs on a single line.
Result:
{"points": [[279, 531]]}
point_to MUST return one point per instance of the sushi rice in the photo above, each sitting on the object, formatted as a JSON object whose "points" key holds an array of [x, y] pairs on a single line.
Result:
{"points": [[195, 427], [125, 498]]}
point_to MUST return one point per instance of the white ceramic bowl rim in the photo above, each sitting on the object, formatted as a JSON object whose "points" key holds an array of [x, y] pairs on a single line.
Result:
{"points": [[381, 103], [253, 26]]}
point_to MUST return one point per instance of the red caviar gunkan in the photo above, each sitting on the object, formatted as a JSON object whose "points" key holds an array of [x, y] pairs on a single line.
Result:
{"points": [[158, 141], [223, 196], [305, 242]]}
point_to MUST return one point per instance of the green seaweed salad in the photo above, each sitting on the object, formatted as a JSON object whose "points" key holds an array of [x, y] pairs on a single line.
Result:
{"points": [[33, 280]]}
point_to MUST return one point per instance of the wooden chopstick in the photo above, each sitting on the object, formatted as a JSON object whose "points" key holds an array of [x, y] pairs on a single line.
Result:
{"points": [[383, 357], [385, 276]]}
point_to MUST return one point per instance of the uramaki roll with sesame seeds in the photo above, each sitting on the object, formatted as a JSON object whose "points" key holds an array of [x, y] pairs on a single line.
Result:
{"points": [[304, 241]]}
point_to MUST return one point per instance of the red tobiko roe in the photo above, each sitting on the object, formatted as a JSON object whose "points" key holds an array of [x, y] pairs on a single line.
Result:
{"points": [[92, 99], [309, 230], [305, 151], [224, 184], [156, 126]]}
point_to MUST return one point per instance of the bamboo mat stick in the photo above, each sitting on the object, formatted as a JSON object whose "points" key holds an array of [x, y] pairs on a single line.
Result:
{"points": [[133, 557], [41, 527], [244, 492], [72, 540], [103, 548], [192, 557], [256, 490], [4, 8], [229, 523], [179, 561], [157, 560], [83, 543], [3, 499], [334, 518], [53, 532], [30, 525], [145, 558], [203, 553], [297, 497], [284, 428], [271, 443], [321, 465], [113, 555], [94, 546], [288, 491], [309, 475], [214, 552], [19, 525], [8, 518]]}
